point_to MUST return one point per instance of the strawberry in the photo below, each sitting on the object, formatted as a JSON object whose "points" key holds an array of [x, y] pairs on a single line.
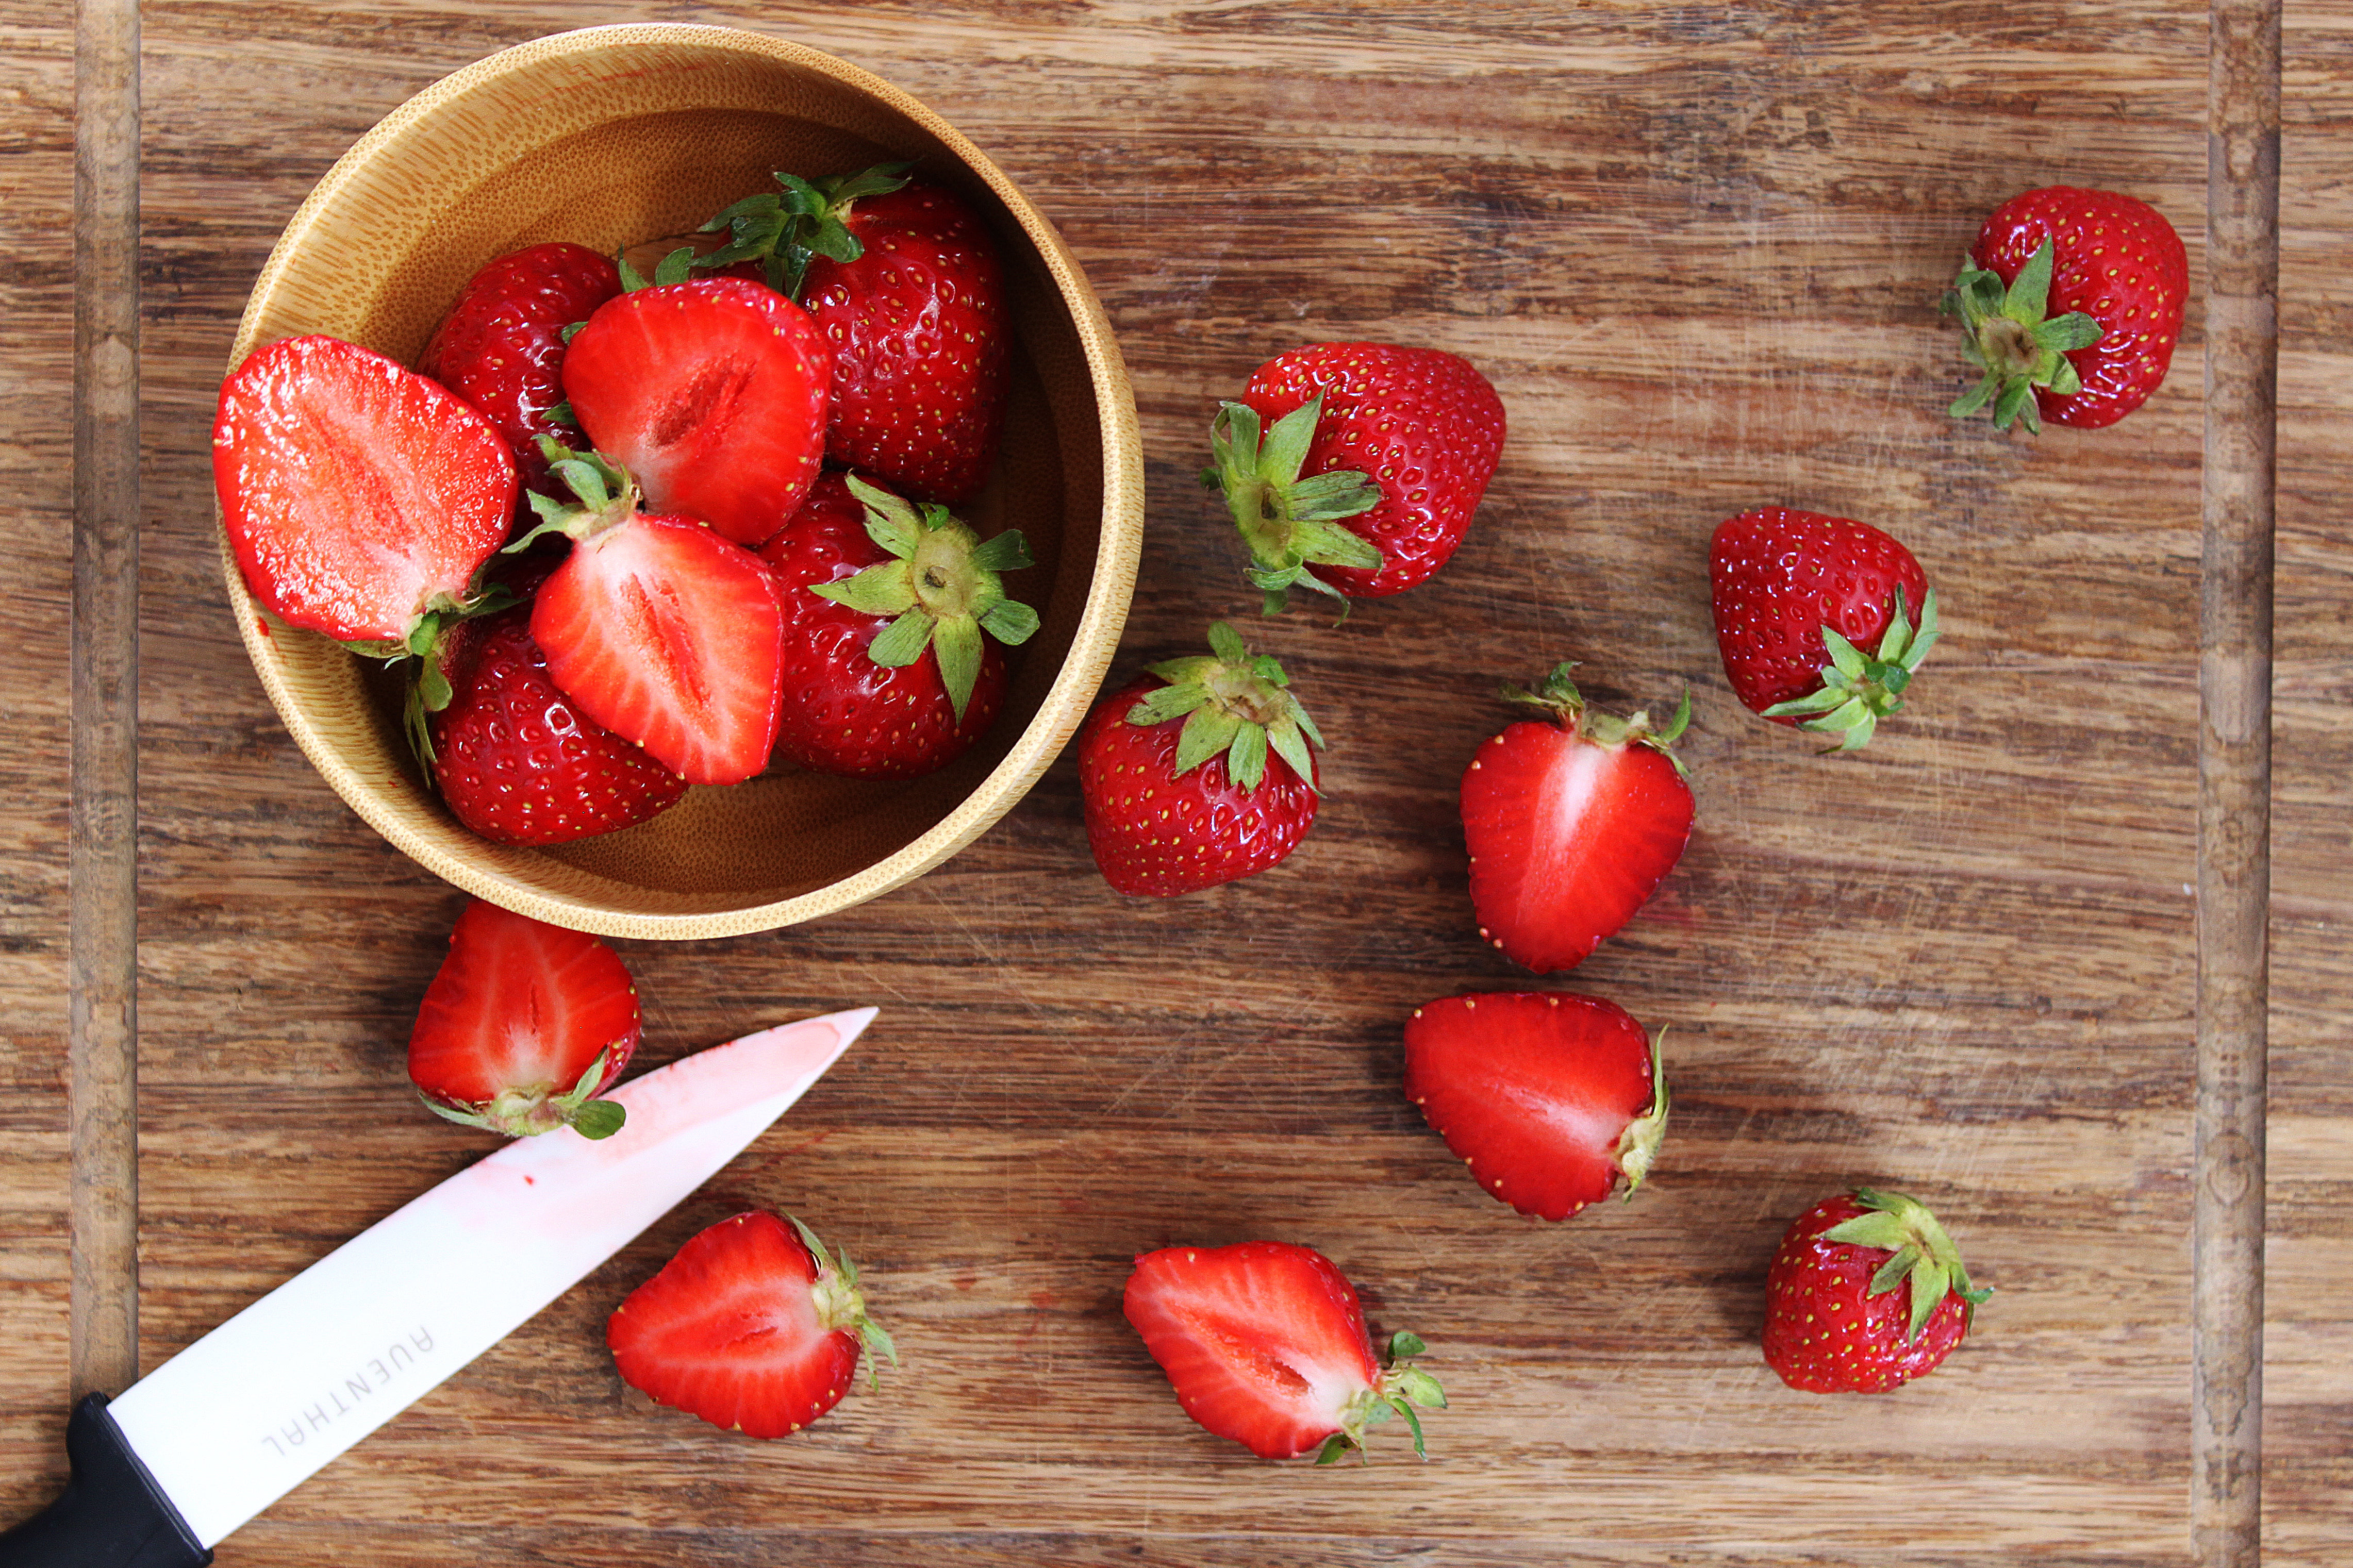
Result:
{"points": [[1866, 1291], [500, 347], [870, 585], [523, 1026], [1372, 459], [1572, 822], [1173, 769], [905, 284], [517, 761], [2072, 302], [713, 393], [1266, 1344], [360, 497], [1798, 597], [657, 627], [751, 1327], [1550, 1099]]}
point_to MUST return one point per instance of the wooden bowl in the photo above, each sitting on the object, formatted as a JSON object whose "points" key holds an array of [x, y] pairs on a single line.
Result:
{"points": [[607, 137]]}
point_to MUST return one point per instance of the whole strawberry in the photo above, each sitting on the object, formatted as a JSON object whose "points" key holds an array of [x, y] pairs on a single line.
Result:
{"points": [[1572, 822], [1197, 772], [895, 617], [1867, 1291], [517, 760], [2071, 302], [1553, 1100], [500, 347], [1352, 469], [1265, 1343], [1798, 599], [904, 282], [752, 1326]]}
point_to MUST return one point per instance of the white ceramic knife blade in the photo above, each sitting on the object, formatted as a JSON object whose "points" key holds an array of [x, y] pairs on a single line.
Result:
{"points": [[244, 1415]]}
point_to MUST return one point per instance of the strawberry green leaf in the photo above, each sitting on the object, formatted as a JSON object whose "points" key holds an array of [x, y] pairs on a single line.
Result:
{"points": [[891, 521], [1246, 758], [2030, 292], [1405, 1410], [1334, 1448], [1894, 1271], [1007, 552], [1010, 621], [1228, 645], [599, 1118], [1405, 1343], [1421, 1388], [1208, 732], [902, 642], [884, 589], [676, 267], [956, 641], [1166, 702], [1886, 1232], [1930, 1280], [1290, 742]]}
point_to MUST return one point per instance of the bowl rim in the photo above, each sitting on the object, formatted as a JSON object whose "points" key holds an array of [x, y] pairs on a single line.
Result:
{"points": [[1093, 642]]}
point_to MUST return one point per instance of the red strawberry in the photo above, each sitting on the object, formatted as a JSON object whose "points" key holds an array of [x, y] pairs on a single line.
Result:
{"points": [[1180, 790], [1572, 822], [1798, 597], [524, 1025], [515, 757], [1266, 1344], [1866, 1292], [2072, 300], [1372, 458], [500, 347], [711, 393], [905, 283], [659, 629], [870, 585], [360, 497], [752, 1327], [1550, 1099]]}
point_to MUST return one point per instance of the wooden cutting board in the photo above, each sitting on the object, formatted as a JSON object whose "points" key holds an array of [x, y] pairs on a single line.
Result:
{"points": [[1697, 248]]}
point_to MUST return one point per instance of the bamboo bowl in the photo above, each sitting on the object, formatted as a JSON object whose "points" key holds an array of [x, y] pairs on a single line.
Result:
{"points": [[607, 137]]}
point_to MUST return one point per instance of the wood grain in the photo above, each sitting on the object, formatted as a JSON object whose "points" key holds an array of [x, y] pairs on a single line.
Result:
{"points": [[1697, 248]]}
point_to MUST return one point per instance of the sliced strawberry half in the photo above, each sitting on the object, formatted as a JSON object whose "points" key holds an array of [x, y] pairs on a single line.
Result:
{"points": [[1552, 1100], [751, 1327], [523, 1026], [360, 497], [1265, 1343], [663, 632], [713, 393]]}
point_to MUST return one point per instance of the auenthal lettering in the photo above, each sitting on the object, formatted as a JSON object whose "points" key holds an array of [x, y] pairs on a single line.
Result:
{"points": [[397, 1358]]}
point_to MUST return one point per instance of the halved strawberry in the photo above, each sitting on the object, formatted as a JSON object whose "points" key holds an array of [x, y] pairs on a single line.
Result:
{"points": [[713, 393], [1264, 1343], [1572, 824], [1550, 1099], [662, 631], [523, 1026], [360, 497], [751, 1327]]}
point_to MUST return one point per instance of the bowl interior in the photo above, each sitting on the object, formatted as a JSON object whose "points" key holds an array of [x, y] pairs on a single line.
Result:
{"points": [[608, 138]]}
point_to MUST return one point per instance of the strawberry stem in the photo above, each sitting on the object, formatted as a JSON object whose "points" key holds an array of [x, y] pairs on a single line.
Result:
{"points": [[1234, 705], [2008, 340], [786, 232], [1921, 1254], [1288, 522], [1860, 690]]}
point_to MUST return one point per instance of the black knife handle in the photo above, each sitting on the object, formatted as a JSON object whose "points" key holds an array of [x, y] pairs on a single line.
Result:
{"points": [[111, 1513]]}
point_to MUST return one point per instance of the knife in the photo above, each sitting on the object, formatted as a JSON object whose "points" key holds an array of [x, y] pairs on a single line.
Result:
{"points": [[242, 1416]]}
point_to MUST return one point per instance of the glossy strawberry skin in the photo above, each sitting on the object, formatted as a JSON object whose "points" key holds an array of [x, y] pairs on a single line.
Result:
{"points": [[840, 712], [919, 333], [671, 637], [713, 393], [356, 493], [1824, 1334], [502, 346], [1535, 1091], [1158, 833], [1263, 1340], [521, 1008], [516, 761], [1780, 576], [1567, 839], [2117, 259], [1423, 424], [731, 1330]]}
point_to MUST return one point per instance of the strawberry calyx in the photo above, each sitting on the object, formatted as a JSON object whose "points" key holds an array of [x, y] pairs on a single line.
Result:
{"points": [[1922, 1254], [1401, 1387], [1234, 705], [428, 643], [1638, 1146], [1290, 523], [942, 588], [1557, 695], [784, 232], [529, 1109], [2013, 340], [841, 1306], [1858, 689]]}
